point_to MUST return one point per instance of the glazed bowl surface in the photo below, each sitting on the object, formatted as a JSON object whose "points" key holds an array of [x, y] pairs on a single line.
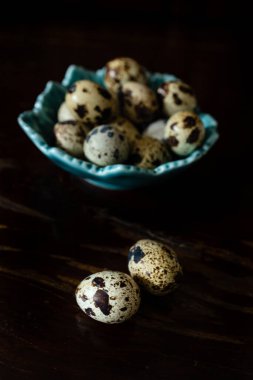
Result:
{"points": [[38, 126]]}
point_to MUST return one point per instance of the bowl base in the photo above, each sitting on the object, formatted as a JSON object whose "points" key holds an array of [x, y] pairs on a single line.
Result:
{"points": [[106, 185]]}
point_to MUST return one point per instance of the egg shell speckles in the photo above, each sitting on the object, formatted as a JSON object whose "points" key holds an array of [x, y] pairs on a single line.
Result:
{"points": [[184, 132], [125, 127], [156, 129], [90, 102], [70, 137], [121, 70], [176, 96], [64, 113], [149, 153], [138, 102], [154, 266], [105, 145], [108, 296]]}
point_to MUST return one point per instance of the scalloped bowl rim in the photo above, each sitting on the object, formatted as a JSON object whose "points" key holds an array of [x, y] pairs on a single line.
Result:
{"points": [[83, 167]]}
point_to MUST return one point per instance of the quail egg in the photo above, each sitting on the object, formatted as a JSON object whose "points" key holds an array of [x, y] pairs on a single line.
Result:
{"points": [[105, 145], [90, 102], [177, 96], [121, 70], [125, 127], [156, 129], [154, 266], [138, 102], [184, 132], [70, 136], [147, 153], [64, 113], [108, 296]]}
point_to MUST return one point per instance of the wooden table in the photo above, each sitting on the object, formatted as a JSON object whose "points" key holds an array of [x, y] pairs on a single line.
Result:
{"points": [[54, 230]]}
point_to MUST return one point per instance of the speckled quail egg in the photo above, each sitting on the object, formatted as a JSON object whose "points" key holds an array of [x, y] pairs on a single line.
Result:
{"points": [[108, 296], [121, 70], [90, 102], [147, 153], [154, 266], [156, 129], [126, 128], [70, 136], [105, 145], [177, 96], [64, 113], [138, 102], [184, 132]]}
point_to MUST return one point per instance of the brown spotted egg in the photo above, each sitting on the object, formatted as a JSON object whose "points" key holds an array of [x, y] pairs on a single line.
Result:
{"points": [[138, 102], [127, 128], [64, 113], [184, 132], [154, 266], [70, 136], [147, 153], [105, 145], [177, 96], [90, 102], [108, 296], [121, 70]]}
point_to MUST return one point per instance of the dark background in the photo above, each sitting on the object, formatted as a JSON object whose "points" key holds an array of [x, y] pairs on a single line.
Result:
{"points": [[54, 230], [206, 43]]}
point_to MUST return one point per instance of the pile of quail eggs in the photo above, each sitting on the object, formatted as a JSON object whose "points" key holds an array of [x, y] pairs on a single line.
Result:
{"points": [[127, 122], [114, 297]]}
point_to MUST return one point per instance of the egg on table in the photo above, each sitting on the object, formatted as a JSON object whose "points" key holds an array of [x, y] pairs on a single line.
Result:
{"points": [[108, 296], [154, 266], [105, 145], [121, 70], [70, 136], [147, 153], [176, 96], [64, 113], [127, 128], [138, 102], [184, 132], [90, 102]]}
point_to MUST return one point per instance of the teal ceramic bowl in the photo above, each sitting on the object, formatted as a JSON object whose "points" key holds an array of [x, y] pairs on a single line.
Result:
{"points": [[38, 125]]}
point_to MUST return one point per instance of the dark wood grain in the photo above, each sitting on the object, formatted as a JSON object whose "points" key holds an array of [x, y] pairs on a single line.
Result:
{"points": [[54, 229]]}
